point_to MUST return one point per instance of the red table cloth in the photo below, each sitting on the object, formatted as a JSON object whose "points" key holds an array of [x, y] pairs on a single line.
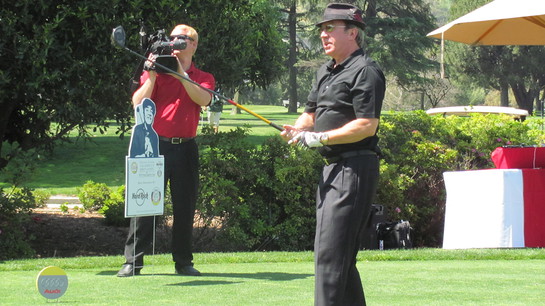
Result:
{"points": [[519, 157], [534, 207]]}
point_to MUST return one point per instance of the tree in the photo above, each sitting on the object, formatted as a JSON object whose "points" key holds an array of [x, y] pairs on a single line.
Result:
{"points": [[60, 72], [296, 29], [435, 90], [396, 31]]}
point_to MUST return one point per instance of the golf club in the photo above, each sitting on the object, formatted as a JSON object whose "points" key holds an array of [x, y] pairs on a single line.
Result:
{"points": [[118, 40]]}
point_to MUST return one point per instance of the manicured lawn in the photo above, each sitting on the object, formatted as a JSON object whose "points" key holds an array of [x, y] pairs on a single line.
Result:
{"points": [[412, 277]]}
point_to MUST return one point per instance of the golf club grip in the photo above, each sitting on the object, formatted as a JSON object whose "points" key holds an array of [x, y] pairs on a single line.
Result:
{"points": [[276, 126]]}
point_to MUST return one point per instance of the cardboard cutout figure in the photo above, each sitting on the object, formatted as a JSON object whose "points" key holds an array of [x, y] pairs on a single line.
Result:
{"points": [[144, 139]]}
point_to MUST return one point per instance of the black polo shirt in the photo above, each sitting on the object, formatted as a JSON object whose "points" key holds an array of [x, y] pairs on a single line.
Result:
{"points": [[353, 89]]}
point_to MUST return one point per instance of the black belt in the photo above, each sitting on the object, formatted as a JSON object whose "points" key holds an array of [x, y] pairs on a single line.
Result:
{"points": [[346, 155], [175, 140]]}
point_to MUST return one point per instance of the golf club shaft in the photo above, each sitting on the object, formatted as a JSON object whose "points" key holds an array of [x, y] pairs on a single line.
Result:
{"points": [[274, 125]]}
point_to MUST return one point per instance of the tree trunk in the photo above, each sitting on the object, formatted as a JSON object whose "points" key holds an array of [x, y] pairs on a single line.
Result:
{"points": [[370, 8], [235, 110], [292, 60], [525, 99], [4, 119], [504, 97]]}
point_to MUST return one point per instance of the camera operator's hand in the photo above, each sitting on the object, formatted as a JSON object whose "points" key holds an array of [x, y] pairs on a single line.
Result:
{"points": [[150, 63], [146, 89], [180, 70]]}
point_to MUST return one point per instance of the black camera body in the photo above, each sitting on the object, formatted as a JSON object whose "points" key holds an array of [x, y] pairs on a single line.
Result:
{"points": [[159, 44]]}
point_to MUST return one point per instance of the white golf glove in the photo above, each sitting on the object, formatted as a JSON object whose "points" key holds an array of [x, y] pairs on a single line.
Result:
{"points": [[310, 139]]}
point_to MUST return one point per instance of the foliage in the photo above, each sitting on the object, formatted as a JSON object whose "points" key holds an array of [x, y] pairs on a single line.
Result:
{"points": [[64, 208], [22, 166], [114, 208], [418, 148], [62, 69], [93, 195], [40, 197], [15, 207], [262, 197], [238, 39], [111, 204]]}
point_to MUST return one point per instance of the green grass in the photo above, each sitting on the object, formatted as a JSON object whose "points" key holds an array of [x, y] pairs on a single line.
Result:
{"points": [[102, 159], [396, 277]]}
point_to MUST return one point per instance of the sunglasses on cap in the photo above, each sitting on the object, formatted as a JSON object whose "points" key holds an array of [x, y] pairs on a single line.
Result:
{"points": [[184, 37]]}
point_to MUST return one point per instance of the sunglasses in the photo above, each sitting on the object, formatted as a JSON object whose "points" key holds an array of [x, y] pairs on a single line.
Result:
{"points": [[184, 37], [329, 28]]}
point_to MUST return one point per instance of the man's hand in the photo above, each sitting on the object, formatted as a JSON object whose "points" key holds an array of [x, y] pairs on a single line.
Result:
{"points": [[310, 139], [150, 62], [289, 132]]}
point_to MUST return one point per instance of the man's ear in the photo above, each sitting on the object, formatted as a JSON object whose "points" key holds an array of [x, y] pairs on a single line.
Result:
{"points": [[354, 33]]}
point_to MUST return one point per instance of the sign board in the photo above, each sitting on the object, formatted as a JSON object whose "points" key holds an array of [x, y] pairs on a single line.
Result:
{"points": [[52, 282], [144, 191], [144, 168]]}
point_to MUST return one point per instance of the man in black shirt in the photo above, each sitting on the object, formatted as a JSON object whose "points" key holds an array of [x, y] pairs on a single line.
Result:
{"points": [[341, 119]]}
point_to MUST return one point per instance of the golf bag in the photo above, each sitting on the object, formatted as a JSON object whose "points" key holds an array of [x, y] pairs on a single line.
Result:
{"points": [[394, 235], [368, 236]]}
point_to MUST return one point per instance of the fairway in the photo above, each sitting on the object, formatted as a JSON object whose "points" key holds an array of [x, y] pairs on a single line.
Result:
{"points": [[426, 282]]}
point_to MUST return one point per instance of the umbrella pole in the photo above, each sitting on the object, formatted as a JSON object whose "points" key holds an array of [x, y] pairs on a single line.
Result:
{"points": [[442, 55]]}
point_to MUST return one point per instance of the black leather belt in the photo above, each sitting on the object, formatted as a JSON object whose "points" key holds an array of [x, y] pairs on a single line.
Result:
{"points": [[346, 155], [175, 140]]}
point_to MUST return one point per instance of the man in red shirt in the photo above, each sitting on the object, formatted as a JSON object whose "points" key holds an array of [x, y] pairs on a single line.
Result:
{"points": [[178, 104]]}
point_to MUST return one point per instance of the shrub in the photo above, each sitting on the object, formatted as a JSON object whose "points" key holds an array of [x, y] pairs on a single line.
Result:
{"points": [[41, 197], [93, 195], [263, 197], [15, 208], [114, 208]]}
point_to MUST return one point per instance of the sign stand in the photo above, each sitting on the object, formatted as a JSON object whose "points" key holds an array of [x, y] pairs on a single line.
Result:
{"points": [[144, 170]]}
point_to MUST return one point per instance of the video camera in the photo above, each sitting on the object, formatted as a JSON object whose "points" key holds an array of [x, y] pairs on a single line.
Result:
{"points": [[160, 44]]}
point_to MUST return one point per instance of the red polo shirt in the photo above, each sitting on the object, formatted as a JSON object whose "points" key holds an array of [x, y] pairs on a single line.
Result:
{"points": [[177, 115]]}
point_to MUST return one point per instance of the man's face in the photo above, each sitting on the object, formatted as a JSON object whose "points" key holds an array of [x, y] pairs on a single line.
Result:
{"points": [[148, 115], [191, 42], [335, 37]]}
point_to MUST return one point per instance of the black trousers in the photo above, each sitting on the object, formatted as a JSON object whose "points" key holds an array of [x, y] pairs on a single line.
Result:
{"points": [[345, 194], [182, 170]]}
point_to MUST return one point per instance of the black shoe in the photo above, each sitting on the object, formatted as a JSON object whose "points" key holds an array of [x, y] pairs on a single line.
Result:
{"points": [[127, 270], [187, 270]]}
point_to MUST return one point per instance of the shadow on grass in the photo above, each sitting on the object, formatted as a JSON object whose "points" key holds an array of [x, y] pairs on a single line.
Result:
{"points": [[204, 283], [271, 276], [260, 276]]}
